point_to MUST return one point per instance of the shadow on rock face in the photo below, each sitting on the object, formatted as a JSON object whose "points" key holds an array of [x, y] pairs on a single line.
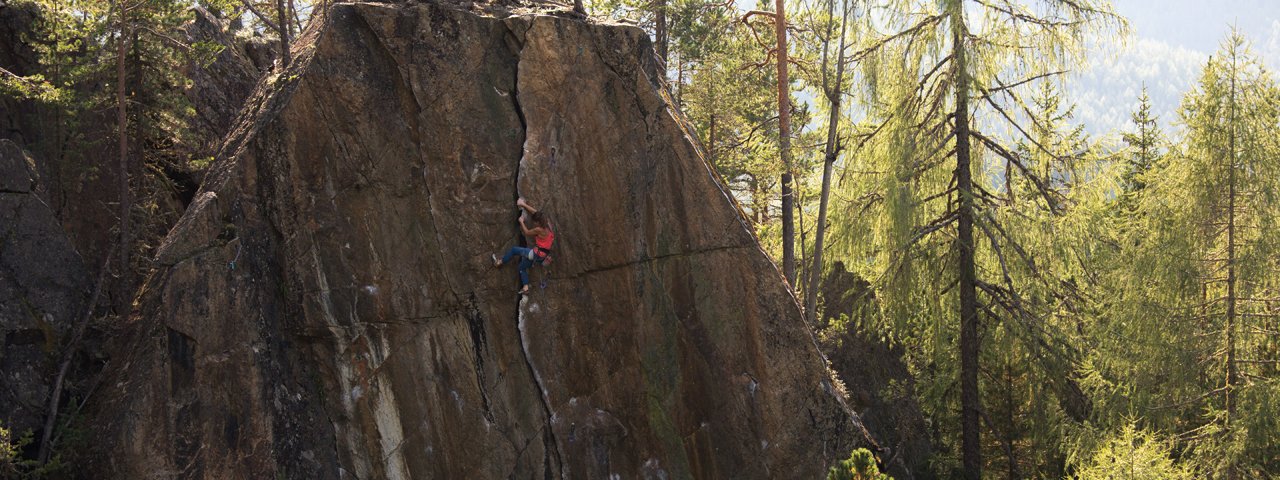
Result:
{"points": [[43, 289], [880, 386]]}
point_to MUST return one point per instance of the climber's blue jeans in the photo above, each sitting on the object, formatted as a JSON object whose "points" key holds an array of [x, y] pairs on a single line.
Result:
{"points": [[526, 260]]}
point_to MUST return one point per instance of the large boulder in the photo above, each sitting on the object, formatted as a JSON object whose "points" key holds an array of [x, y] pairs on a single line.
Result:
{"points": [[327, 307], [43, 287]]}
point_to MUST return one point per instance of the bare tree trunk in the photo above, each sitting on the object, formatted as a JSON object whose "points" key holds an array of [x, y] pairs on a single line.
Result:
{"points": [[711, 141], [801, 273], [1233, 374], [970, 402], [282, 21], [136, 92], [122, 134], [296, 24], [50, 421], [297, 20], [1011, 471], [829, 160], [784, 144], [660, 30], [680, 83], [760, 206]]}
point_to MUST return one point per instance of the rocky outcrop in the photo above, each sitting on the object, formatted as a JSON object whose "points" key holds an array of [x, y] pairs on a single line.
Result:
{"points": [[327, 308], [218, 89], [43, 288], [17, 26], [881, 389]]}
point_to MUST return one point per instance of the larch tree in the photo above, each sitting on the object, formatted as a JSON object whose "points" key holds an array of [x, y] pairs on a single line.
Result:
{"points": [[1187, 339], [1232, 161], [948, 81]]}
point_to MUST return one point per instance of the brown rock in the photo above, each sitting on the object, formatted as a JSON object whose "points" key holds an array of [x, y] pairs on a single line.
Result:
{"points": [[218, 89], [881, 388], [42, 291], [326, 307]]}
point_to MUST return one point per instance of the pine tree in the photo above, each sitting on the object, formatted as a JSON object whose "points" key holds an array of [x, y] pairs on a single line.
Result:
{"points": [[116, 56], [784, 143]]}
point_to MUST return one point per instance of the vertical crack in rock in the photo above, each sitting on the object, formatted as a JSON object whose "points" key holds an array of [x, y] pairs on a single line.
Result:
{"points": [[479, 343], [548, 430]]}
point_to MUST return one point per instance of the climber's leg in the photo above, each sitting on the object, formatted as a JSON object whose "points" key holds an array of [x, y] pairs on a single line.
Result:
{"points": [[525, 263], [514, 252]]}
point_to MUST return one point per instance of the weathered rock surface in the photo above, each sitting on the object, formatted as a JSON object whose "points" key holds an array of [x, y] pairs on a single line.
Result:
{"points": [[881, 388], [42, 291], [218, 90], [327, 308]]}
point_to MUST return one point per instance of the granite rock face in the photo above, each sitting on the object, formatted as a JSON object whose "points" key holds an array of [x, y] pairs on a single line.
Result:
{"points": [[327, 307], [43, 289]]}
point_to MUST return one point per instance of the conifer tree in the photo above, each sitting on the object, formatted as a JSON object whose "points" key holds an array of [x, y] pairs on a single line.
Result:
{"points": [[966, 65], [1144, 142], [1234, 163], [1186, 339]]}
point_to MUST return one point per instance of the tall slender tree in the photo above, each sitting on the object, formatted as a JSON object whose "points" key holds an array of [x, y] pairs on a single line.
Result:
{"points": [[1185, 339], [1231, 150], [784, 144], [968, 63], [1144, 143], [123, 32], [661, 38], [833, 91]]}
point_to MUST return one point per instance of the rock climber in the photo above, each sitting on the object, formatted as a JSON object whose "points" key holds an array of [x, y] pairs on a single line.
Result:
{"points": [[542, 239]]}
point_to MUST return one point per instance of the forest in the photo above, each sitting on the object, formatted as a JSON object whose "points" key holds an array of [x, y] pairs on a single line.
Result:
{"points": [[1067, 302], [1069, 305]]}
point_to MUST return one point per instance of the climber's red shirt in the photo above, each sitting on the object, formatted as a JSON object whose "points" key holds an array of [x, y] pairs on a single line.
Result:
{"points": [[544, 242]]}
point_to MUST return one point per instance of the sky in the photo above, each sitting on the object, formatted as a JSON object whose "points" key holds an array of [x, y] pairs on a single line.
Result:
{"points": [[1169, 43]]}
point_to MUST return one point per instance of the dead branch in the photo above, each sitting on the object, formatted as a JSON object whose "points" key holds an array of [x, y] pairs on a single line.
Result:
{"points": [[73, 345]]}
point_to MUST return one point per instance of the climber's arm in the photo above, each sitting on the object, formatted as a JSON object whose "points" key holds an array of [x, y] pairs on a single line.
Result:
{"points": [[535, 232], [525, 205]]}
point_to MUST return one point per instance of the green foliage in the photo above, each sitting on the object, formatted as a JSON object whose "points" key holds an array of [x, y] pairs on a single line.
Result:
{"points": [[14, 466], [1132, 454], [9, 461], [1107, 342], [1182, 341], [1144, 144], [1032, 193], [32, 87], [861, 465], [726, 88]]}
